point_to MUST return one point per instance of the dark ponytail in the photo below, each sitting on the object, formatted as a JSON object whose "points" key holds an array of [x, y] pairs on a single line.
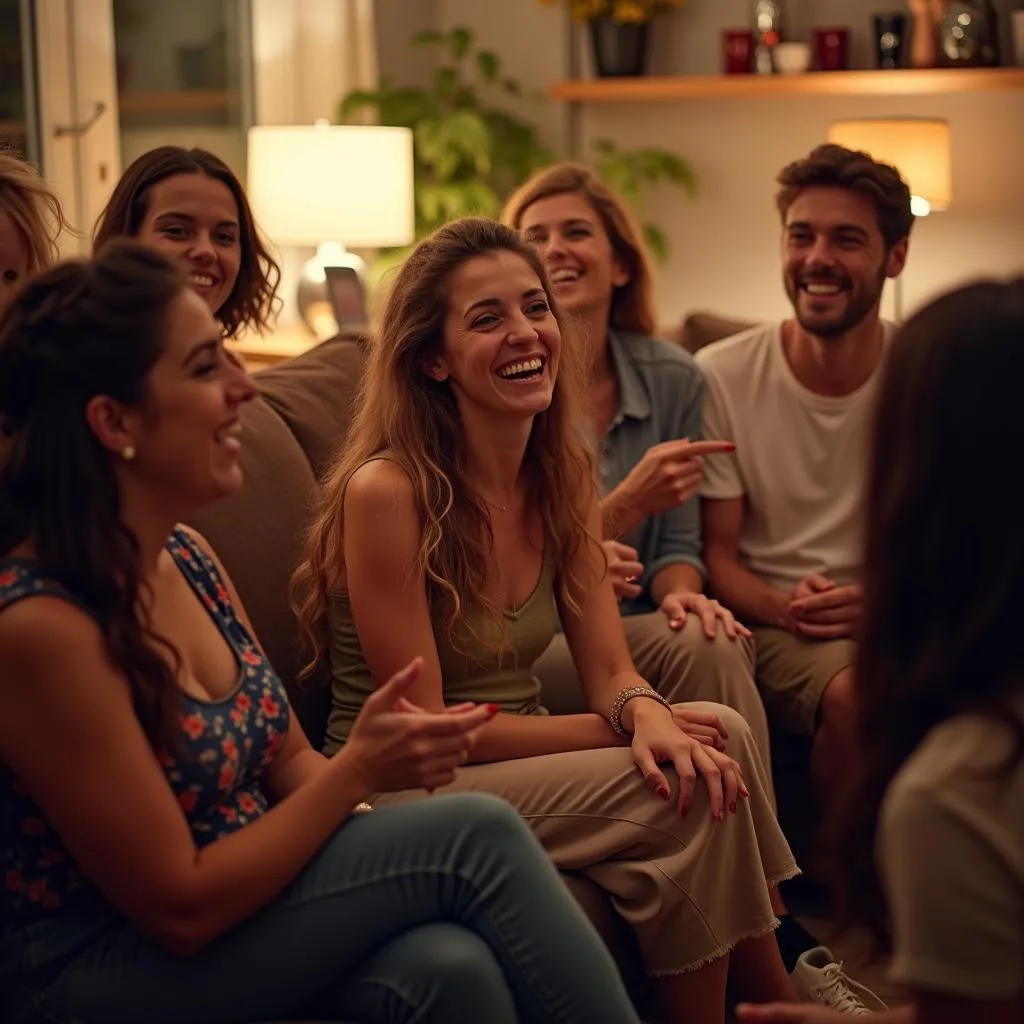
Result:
{"points": [[81, 329]]}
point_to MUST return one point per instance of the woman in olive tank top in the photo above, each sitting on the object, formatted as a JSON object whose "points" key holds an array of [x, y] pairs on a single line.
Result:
{"points": [[460, 524]]}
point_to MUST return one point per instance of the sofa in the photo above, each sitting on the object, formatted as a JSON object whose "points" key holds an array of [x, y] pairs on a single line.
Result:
{"points": [[289, 435]]}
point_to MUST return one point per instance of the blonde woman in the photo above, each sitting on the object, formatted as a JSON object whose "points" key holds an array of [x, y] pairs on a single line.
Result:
{"points": [[31, 222]]}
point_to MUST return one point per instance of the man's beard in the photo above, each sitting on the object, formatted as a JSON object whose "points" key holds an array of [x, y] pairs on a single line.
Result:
{"points": [[859, 303]]}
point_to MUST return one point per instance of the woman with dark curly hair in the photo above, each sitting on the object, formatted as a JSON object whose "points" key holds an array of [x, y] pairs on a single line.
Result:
{"points": [[938, 797]]}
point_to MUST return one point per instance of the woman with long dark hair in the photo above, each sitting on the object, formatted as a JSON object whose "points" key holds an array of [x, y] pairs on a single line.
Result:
{"points": [[171, 847], [929, 847]]}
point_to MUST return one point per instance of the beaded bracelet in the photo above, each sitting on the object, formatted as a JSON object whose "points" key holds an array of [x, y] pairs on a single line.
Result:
{"points": [[627, 694]]}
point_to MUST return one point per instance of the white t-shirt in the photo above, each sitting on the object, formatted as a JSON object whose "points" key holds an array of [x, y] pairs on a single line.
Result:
{"points": [[800, 459]]}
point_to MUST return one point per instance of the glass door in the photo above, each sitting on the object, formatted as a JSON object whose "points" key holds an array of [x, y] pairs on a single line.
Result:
{"points": [[18, 128], [184, 72], [88, 85]]}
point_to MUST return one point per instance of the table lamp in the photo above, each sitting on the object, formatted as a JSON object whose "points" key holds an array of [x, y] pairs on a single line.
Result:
{"points": [[919, 148], [333, 187]]}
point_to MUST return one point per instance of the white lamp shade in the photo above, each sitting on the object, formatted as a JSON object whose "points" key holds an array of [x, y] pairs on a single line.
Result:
{"points": [[351, 184], [918, 148]]}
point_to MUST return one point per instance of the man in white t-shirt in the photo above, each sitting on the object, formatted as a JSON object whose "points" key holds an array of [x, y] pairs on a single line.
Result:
{"points": [[782, 515]]}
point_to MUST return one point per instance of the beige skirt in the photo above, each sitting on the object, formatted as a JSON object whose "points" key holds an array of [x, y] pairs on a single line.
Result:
{"points": [[690, 888]]}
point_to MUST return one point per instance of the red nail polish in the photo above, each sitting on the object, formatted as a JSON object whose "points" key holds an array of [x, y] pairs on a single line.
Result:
{"points": [[663, 792], [732, 807], [494, 708]]}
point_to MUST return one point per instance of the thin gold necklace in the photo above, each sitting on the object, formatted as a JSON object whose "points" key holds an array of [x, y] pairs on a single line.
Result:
{"points": [[499, 508]]}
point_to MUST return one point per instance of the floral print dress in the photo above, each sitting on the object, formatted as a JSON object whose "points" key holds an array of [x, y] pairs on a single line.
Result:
{"points": [[215, 770]]}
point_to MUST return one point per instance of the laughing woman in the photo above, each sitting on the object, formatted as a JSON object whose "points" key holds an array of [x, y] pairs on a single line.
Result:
{"points": [[171, 848], [190, 205], [460, 524]]}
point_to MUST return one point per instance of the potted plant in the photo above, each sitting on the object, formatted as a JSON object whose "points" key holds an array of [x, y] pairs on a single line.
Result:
{"points": [[618, 31], [470, 153]]}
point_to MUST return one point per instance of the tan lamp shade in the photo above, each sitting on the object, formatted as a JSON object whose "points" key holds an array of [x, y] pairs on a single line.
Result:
{"points": [[918, 148]]}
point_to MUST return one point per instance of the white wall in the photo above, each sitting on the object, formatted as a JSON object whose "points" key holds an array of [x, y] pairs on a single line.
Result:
{"points": [[724, 243]]}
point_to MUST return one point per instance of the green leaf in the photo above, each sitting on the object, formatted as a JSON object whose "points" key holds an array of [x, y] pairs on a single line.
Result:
{"points": [[356, 102], [680, 172], [620, 176], [445, 81], [453, 142], [604, 146], [404, 108], [489, 65], [461, 40], [657, 242], [481, 199], [428, 38]]}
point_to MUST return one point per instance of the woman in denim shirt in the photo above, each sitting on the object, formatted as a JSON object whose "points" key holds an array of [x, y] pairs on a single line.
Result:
{"points": [[646, 397]]}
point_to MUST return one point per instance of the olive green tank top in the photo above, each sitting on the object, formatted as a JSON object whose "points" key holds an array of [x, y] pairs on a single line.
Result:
{"points": [[486, 662]]}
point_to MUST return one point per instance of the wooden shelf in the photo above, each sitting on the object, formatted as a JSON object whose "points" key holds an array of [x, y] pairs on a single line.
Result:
{"points": [[909, 82], [187, 101]]}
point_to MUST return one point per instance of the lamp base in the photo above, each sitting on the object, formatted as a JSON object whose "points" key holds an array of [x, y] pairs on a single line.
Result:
{"points": [[312, 298]]}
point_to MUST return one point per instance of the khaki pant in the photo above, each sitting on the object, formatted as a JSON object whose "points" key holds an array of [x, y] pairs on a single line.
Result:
{"points": [[682, 665], [793, 673], [690, 888]]}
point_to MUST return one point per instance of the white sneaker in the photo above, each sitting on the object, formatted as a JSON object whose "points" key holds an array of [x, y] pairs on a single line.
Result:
{"points": [[819, 979]]}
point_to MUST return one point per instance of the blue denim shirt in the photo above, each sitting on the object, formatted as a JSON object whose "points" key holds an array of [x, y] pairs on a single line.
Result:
{"points": [[661, 398]]}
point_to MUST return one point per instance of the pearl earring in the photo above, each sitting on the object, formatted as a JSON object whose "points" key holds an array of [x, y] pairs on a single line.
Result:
{"points": [[127, 453]]}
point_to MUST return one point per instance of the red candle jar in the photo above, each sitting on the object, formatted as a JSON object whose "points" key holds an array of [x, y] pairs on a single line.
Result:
{"points": [[738, 51], [832, 48]]}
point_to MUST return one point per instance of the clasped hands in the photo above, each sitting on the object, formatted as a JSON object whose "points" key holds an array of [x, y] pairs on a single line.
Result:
{"points": [[819, 610]]}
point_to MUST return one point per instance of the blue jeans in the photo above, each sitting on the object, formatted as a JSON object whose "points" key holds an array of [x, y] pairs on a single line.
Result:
{"points": [[438, 912]]}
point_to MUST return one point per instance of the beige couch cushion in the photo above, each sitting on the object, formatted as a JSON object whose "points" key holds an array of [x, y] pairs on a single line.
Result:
{"points": [[700, 329]]}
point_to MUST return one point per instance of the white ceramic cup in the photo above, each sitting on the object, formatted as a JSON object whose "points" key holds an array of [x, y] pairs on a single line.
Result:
{"points": [[791, 58]]}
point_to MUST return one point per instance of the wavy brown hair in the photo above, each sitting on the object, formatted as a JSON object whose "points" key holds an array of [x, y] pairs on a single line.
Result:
{"points": [[633, 302], [832, 166], [402, 409], [253, 300], [35, 209], [944, 564], [81, 329]]}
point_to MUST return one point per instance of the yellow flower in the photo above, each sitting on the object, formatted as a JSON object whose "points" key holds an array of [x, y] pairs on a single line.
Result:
{"points": [[634, 12]]}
